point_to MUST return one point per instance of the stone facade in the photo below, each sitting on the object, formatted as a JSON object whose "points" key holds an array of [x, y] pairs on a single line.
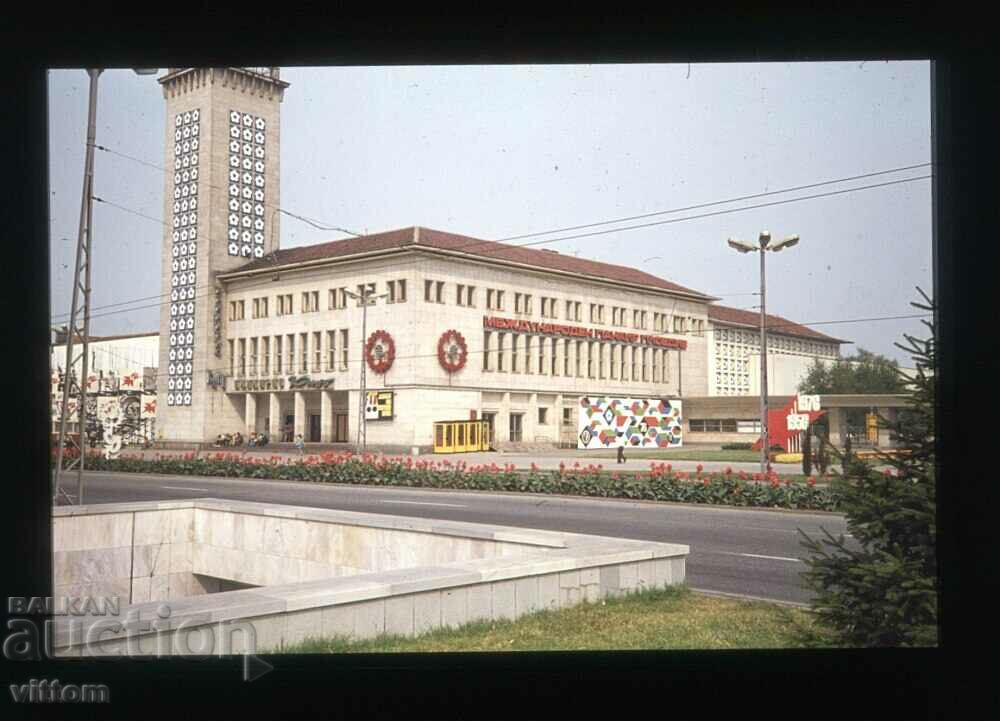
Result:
{"points": [[212, 93], [491, 380]]}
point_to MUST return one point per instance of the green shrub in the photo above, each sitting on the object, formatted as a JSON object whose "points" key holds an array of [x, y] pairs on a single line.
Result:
{"points": [[737, 446], [660, 483]]}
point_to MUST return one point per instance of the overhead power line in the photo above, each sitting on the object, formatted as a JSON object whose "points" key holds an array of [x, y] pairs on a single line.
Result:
{"points": [[716, 202], [615, 230]]}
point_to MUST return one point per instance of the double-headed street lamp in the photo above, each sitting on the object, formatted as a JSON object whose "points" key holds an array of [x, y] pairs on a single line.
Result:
{"points": [[764, 244], [366, 299]]}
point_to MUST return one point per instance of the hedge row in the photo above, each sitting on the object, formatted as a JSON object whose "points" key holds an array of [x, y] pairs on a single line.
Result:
{"points": [[660, 483]]}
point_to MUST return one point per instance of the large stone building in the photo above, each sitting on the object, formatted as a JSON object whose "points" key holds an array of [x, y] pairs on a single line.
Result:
{"points": [[255, 338]]}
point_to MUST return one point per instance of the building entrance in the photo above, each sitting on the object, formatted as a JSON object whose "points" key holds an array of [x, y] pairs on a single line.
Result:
{"points": [[314, 433], [340, 428]]}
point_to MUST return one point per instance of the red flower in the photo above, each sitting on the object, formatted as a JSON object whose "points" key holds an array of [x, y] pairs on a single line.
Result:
{"points": [[812, 480], [699, 468], [728, 470], [705, 481], [616, 476]]}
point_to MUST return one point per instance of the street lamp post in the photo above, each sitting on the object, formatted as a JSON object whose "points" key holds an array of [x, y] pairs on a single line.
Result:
{"points": [[764, 244], [365, 298]]}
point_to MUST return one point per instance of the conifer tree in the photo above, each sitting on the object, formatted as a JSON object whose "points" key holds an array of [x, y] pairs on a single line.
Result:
{"points": [[882, 588]]}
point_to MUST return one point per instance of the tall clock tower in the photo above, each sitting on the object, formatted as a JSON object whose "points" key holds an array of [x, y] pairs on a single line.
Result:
{"points": [[221, 194]]}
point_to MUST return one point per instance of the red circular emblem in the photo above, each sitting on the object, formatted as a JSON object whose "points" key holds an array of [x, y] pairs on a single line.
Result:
{"points": [[452, 351], [380, 351]]}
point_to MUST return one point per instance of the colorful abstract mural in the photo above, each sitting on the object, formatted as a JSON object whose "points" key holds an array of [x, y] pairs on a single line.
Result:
{"points": [[121, 407], [630, 422]]}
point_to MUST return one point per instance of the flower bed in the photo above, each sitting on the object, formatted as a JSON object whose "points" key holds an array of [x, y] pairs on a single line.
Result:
{"points": [[659, 483]]}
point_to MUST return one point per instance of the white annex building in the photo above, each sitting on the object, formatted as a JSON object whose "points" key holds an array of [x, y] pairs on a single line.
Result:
{"points": [[456, 328]]}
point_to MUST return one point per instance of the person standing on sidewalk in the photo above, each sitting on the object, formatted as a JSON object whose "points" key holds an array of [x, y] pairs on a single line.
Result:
{"points": [[300, 444], [621, 454]]}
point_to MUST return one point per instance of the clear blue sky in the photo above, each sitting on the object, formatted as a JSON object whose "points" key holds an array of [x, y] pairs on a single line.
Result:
{"points": [[500, 151]]}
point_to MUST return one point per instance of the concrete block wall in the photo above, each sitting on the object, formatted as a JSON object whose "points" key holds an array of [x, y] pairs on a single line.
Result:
{"points": [[554, 570], [272, 550], [137, 556]]}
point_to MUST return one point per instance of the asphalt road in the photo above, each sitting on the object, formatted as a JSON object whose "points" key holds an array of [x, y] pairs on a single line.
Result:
{"points": [[733, 551]]}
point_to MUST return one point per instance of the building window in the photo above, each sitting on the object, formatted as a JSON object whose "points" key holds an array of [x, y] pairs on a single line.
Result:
{"points": [[285, 304], [541, 356], [500, 301], [543, 416], [590, 360], [554, 359], [567, 415], [565, 357], [600, 360], [576, 358], [500, 351], [277, 354], [487, 337], [265, 356], [232, 358], [397, 291], [515, 364], [317, 353], [549, 308], [364, 290], [343, 349], [489, 299], [290, 353], [527, 355], [310, 301], [522, 303], [429, 291], [596, 313], [303, 352], [459, 294], [337, 298], [331, 350], [243, 358], [236, 310], [470, 296]]}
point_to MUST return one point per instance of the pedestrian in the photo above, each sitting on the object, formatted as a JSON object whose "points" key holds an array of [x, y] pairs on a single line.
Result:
{"points": [[621, 454], [300, 444], [252, 440]]}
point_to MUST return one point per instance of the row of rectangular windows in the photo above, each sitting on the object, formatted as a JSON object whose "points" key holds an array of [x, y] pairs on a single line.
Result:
{"points": [[274, 355], [466, 296], [725, 425], [574, 359], [337, 298]]}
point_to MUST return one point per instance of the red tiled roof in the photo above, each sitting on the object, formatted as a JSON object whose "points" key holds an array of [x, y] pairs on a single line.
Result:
{"points": [[735, 316], [435, 239]]}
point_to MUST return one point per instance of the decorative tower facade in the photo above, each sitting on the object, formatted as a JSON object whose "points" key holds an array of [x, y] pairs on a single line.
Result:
{"points": [[221, 195]]}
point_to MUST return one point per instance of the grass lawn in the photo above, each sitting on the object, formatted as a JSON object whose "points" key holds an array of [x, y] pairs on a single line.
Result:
{"points": [[673, 618]]}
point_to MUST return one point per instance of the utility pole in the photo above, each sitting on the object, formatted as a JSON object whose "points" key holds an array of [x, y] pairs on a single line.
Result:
{"points": [[80, 307], [765, 448]]}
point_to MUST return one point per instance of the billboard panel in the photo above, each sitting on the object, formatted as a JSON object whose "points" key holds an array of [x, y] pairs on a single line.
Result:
{"points": [[609, 422]]}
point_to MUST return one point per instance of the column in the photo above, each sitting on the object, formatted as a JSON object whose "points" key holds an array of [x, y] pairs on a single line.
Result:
{"points": [[251, 413], [890, 414], [557, 422], [502, 428], [326, 417], [274, 411], [300, 414], [835, 420]]}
